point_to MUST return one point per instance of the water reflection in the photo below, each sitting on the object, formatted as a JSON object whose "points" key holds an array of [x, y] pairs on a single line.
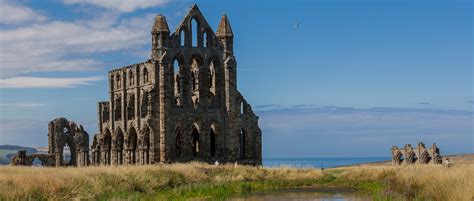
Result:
{"points": [[309, 193]]}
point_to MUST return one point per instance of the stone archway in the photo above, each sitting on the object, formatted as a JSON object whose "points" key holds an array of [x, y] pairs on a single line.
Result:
{"points": [[132, 146], [195, 144], [63, 133], [212, 142]]}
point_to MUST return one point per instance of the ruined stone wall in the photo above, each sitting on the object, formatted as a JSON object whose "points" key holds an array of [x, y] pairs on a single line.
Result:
{"points": [[61, 134], [181, 105], [416, 155]]}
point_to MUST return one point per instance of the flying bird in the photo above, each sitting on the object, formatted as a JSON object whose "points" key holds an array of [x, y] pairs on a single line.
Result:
{"points": [[297, 25]]}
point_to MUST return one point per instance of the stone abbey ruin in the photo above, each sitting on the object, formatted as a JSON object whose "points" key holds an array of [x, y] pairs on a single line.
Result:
{"points": [[180, 105], [416, 155], [61, 133]]}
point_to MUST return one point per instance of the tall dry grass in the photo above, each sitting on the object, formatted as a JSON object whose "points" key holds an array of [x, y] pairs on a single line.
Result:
{"points": [[417, 182], [96, 182], [422, 182]]}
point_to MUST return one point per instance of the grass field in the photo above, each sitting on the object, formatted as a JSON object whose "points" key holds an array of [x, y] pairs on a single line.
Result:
{"points": [[4, 152], [201, 181]]}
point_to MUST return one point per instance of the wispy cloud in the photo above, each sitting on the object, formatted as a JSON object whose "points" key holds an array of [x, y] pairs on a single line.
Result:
{"points": [[424, 103], [46, 82], [11, 12], [68, 46], [121, 5], [23, 104], [343, 131]]}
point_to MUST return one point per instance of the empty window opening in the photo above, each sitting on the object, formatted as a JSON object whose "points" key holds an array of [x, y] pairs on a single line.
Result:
{"points": [[212, 78], [205, 41], [177, 82], [131, 107], [117, 80], [130, 77], [133, 146], [37, 162], [119, 146], [145, 75], [118, 108], [66, 154], [195, 32], [242, 143], [182, 37], [195, 142]]}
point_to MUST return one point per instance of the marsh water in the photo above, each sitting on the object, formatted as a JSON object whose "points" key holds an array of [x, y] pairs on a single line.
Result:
{"points": [[307, 193]]}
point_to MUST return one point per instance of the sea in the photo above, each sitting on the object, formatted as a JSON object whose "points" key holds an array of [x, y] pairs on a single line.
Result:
{"points": [[320, 162]]}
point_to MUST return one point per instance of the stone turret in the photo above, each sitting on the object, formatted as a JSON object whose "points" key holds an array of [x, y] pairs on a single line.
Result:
{"points": [[225, 34], [160, 35]]}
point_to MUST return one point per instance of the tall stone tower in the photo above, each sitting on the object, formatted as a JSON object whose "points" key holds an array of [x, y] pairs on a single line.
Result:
{"points": [[180, 105]]}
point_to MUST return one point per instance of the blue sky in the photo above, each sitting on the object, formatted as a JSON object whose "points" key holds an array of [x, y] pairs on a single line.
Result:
{"points": [[361, 75]]}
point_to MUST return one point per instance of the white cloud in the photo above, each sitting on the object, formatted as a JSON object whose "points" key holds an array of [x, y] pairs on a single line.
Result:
{"points": [[46, 82], [67, 46], [12, 13], [121, 5], [22, 104]]}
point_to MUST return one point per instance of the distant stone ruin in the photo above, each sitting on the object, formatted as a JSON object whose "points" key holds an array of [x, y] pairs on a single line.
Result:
{"points": [[61, 133], [21, 158], [416, 155]]}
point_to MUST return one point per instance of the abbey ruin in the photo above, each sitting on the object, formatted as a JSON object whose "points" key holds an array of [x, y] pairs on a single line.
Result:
{"points": [[416, 155], [180, 105]]}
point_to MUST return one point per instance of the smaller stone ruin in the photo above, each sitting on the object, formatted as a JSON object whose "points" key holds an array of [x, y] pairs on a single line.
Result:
{"points": [[21, 158], [61, 134], [416, 155]]}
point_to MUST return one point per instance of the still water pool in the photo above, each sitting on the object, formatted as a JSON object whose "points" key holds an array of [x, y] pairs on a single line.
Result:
{"points": [[304, 194]]}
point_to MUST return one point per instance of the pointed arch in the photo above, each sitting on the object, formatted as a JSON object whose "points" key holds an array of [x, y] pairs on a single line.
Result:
{"points": [[132, 145], [411, 157], [212, 140], [182, 38], [117, 81], [195, 141], [425, 157], [130, 77], [177, 82], [212, 78], [145, 75], [242, 143], [398, 158], [107, 147], [145, 146], [195, 32], [119, 141], [131, 107], [118, 108], [178, 142], [205, 41]]}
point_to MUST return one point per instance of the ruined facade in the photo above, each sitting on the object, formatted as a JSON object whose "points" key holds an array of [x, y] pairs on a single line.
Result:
{"points": [[61, 133], [180, 105], [416, 155]]}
